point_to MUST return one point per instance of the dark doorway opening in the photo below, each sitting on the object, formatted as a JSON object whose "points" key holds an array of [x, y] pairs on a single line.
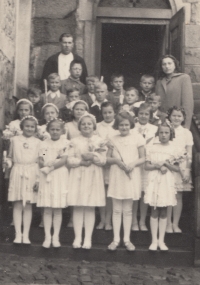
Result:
{"points": [[130, 49]]}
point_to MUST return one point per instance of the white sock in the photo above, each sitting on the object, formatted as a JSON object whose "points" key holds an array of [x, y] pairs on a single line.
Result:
{"points": [[27, 218], [89, 219], [57, 221], [47, 223], [78, 214], [117, 219], [154, 229], [162, 229], [127, 218], [17, 218]]}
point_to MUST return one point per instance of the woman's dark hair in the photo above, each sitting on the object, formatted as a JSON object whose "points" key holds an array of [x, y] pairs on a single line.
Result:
{"points": [[160, 72], [121, 117], [174, 108], [107, 104], [166, 124]]}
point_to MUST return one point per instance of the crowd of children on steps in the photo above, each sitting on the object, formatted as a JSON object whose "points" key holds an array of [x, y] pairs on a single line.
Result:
{"points": [[84, 147]]}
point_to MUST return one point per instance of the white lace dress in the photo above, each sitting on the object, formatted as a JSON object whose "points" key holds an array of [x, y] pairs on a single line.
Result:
{"points": [[148, 131], [86, 184], [25, 170], [120, 185], [183, 138], [160, 190], [53, 188]]}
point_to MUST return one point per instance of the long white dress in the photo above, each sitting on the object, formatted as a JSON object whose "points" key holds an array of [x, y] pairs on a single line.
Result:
{"points": [[53, 188], [183, 138], [106, 131], [86, 184], [148, 131], [120, 185], [25, 170], [160, 190]]}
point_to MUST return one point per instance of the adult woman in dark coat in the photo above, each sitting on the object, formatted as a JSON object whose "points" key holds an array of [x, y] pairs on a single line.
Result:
{"points": [[175, 88]]}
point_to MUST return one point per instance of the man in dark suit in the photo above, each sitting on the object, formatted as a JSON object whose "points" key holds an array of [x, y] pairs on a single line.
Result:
{"points": [[60, 62]]}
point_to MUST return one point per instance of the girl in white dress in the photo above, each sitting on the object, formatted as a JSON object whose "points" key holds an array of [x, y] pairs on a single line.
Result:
{"points": [[184, 141], [71, 128], [86, 184], [148, 131], [49, 112], [125, 157], [53, 187], [24, 108], [161, 162], [105, 130], [23, 154], [79, 108]]}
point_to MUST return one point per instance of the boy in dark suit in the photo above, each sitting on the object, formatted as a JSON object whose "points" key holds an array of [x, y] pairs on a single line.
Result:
{"points": [[90, 97], [158, 116]]}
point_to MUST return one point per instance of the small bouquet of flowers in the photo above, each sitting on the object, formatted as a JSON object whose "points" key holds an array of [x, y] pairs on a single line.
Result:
{"points": [[42, 134], [97, 146], [10, 132]]}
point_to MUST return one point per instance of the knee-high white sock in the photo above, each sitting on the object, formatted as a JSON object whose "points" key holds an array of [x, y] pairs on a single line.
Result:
{"points": [[117, 219], [27, 218], [57, 221], [17, 219], [127, 219], [78, 225], [47, 223], [89, 219], [162, 228], [154, 229]]}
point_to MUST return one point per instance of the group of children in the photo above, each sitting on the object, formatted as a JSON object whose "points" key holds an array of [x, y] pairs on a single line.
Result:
{"points": [[99, 149]]}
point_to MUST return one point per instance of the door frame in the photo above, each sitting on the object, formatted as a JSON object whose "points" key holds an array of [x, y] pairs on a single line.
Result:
{"points": [[131, 21]]}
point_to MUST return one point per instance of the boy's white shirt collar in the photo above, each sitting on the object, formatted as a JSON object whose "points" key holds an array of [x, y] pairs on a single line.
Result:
{"points": [[92, 96], [155, 114], [54, 94], [96, 103]]}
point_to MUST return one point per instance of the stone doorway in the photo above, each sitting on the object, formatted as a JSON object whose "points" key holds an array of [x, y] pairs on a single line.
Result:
{"points": [[130, 49]]}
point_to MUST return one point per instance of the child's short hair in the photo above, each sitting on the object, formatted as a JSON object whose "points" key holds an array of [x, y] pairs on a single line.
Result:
{"points": [[99, 85], [75, 61], [116, 75], [133, 88], [34, 91], [28, 118], [145, 106], [72, 90], [49, 105], [175, 108], [87, 115], [56, 120], [92, 78], [121, 117], [154, 95], [107, 104], [166, 123], [147, 76], [53, 76]]}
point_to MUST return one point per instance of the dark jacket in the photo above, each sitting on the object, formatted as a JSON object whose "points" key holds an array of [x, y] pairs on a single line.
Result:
{"points": [[66, 114], [51, 66]]}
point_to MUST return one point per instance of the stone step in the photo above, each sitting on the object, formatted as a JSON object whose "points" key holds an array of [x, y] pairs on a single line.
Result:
{"points": [[174, 257]]}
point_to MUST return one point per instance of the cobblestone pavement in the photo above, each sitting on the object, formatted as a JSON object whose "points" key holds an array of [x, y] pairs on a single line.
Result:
{"points": [[29, 270]]}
